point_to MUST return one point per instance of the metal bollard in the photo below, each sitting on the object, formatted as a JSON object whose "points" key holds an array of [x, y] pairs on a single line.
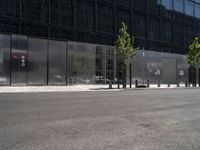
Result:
{"points": [[148, 84], [136, 83], [158, 83], [178, 84], [118, 83], [110, 84], [186, 83], [195, 84], [168, 84]]}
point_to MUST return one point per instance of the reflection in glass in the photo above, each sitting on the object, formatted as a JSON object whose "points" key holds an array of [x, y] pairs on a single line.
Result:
{"points": [[100, 65], [166, 31], [105, 64], [110, 63], [153, 32], [139, 25], [189, 8], [4, 60], [197, 10], [57, 63], [18, 60], [81, 63], [37, 62], [153, 6], [178, 5], [154, 66], [167, 4]]}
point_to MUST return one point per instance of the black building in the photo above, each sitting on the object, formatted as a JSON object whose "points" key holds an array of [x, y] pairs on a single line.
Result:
{"points": [[157, 25]]}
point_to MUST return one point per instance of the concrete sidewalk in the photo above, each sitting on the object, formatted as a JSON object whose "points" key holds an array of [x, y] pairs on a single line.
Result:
{"points": [[74, 88]]}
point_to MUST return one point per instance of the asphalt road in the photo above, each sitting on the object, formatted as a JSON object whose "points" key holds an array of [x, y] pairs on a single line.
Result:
{"points": [[126, 120]]}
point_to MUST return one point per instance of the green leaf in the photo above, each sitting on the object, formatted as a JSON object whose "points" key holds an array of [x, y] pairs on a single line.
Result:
{"points": [[124, 45], [193, 56]]}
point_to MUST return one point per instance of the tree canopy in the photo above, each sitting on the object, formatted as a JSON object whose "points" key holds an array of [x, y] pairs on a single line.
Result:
{"points": [[193, 56], [124, 44]]}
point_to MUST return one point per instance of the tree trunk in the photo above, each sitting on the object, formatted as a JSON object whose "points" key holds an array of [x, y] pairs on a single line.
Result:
{"points": [[130, 74], [118, 77], [124, 76], [192, 76]]}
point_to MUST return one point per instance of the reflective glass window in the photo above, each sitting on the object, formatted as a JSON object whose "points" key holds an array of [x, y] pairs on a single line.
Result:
{"points": [[37, 62], [197, 10], [61, 12], [139, 4], [124, 2], [153, 29], [154, 46], [85, 14], [105, 19], [9, 26], [189, 8], [37, 10], [138, 25], [198, 1], [19, 61], [60, 33], [4, 60], [153, 6], [167, 4], [123, 15], [106, 39], [81, 63], [166, 31], [33, 29], [178, 33], [10, 8], [85, 36], [57, 63], [178, 5], [105, 64]]}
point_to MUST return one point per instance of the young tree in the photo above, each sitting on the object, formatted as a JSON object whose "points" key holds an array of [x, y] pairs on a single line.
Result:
{"points": [[193, 56], [193, 59], [125, 50]]}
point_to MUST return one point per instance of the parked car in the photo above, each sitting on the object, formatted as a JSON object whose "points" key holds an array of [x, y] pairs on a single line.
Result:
{"points": [[101, 80]]}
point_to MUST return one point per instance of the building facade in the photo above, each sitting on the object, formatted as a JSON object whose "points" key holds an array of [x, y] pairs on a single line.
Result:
{"points": [[43, 42]]}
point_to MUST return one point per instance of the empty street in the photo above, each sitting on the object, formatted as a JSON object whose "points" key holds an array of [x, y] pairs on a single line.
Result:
{"points": [[114, 120]]}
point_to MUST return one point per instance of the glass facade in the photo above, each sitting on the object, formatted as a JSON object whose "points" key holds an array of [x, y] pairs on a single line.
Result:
{"points": [[19, 60], [35, 35], [37, 61], [4, 60], [98, 21], [105, 64], [158, 66], [57, 63], [81, 63]]}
